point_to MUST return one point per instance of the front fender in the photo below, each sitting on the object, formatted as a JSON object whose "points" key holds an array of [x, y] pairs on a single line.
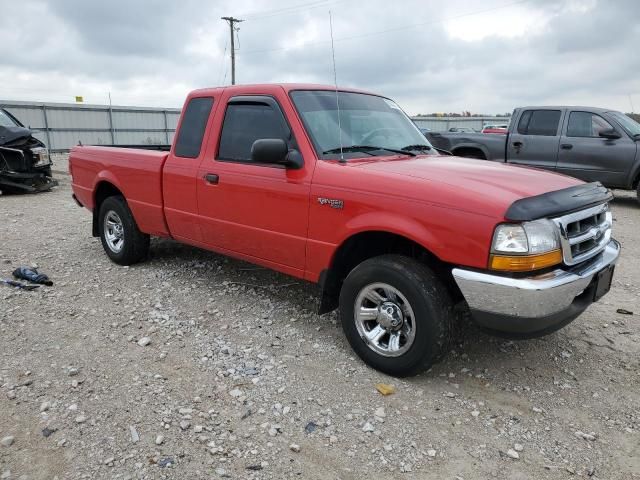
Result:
{"points": [[391, 223], [370, 222], [635, 170]]}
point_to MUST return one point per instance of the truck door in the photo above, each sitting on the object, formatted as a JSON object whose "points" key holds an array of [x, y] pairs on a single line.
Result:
{"points": [[257, 211], [181, 168], [586, 155], [535, 138]]}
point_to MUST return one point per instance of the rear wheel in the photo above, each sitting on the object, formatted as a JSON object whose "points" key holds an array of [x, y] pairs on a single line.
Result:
{"points": [[121, 238], [396, 315]]}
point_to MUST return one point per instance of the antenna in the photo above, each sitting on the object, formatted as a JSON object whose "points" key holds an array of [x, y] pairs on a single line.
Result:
{"points": [[335, 82], [631, 102]]}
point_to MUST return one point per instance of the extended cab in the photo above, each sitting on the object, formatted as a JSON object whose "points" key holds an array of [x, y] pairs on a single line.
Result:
{"points": [[592, 144], [395, 233]]}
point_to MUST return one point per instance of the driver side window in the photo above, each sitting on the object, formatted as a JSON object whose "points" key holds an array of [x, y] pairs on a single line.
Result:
{"points": [[244, 123], [585, 124]]}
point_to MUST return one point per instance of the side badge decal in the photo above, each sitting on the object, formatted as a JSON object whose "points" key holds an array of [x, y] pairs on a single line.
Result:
{"points": [[332, 202]]}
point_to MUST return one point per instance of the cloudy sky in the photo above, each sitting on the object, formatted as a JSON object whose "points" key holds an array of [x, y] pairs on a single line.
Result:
{"points": [[429, 55]]}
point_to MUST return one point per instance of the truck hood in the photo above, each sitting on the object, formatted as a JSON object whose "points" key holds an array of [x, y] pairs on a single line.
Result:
{"points": [[479, 186], [9, 135]]}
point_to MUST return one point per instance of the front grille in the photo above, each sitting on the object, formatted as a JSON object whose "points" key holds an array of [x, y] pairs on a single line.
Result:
{"points": [[584, 234]]}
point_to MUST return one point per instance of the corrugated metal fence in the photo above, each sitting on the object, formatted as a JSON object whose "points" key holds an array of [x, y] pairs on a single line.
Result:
{"points": [[62, 125], [443, 124]]}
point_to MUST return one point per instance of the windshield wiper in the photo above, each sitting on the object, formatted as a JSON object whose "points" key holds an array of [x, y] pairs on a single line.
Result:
{"points": [[367, 149], [352, 148], [418, 146]]}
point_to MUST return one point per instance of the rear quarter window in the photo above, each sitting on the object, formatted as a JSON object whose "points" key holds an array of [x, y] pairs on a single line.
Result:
{"points": [[194, 123], [539, 122]]}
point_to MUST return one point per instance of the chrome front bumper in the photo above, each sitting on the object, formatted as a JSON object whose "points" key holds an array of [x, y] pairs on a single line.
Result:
{"points": [[533, 303]]}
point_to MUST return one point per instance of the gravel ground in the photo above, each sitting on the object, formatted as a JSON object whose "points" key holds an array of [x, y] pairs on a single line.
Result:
{"points": [[192, 365]]}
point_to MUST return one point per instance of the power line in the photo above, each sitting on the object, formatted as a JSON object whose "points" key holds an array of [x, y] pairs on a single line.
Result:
{"points": [[231, 21], [224, 79], [222, 64], [395, 29], [271, 13], [291, 10]]}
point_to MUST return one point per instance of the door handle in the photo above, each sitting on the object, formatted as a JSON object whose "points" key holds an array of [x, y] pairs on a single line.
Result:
{"points": [[566, 146], [211, 178], [517, 146]]}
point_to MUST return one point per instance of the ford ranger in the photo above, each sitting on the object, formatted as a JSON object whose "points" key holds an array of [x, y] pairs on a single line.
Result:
{"points": [[592, 144], [340, 188]]}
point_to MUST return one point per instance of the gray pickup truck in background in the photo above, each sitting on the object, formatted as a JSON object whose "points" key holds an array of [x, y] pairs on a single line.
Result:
{"points": [[592, 144]]}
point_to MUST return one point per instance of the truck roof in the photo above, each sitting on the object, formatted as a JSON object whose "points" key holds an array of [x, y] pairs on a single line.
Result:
{"points": [[567, 107], [267, 87]]}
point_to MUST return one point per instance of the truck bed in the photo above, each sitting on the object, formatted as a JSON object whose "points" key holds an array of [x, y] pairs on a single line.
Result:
{"points": [[161, 148], [136, 172]]}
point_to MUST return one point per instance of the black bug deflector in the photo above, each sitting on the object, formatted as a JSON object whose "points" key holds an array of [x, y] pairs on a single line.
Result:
{"points": [[560, 202]]}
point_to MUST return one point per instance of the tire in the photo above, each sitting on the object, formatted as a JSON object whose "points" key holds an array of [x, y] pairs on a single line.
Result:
{"points": [[121, 238], [427, 324]]}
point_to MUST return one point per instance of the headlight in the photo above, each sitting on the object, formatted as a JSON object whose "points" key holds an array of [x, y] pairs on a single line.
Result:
{"points": [[40, 156], [525, 247], [510, 239]]}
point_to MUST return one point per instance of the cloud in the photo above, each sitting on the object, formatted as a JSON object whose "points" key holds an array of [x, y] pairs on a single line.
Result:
{"points": [[430, 56]]}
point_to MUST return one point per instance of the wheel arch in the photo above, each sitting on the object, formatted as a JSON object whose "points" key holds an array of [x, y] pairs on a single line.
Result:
{"points": [[103, 190], [367, 244], [463, 148], [635, 174]]}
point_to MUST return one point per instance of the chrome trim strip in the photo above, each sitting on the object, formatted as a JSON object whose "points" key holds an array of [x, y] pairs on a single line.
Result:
{"points": [[582, 214], [536, 296]]}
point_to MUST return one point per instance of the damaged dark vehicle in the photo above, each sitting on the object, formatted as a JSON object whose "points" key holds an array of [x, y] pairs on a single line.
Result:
{"points": [[25, 164]]}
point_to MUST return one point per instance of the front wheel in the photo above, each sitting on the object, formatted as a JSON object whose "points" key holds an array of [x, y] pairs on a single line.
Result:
{"points": [[396, 315], [121, 238]]}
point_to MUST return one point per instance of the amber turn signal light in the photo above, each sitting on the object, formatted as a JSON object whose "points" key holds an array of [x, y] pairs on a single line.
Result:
{"points": [[524, 263]]}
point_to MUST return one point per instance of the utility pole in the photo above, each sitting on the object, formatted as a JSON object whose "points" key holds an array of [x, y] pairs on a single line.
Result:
{"points": [[231, 21]]}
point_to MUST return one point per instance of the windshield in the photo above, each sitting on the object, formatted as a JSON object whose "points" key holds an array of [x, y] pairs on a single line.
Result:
{"points": [[366, 121], [6, 120], [628, 123]]}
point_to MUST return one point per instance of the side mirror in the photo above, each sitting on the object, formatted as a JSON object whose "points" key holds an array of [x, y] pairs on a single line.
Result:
{"points": [[610, 133], [269, 150], [294, 160], [275, 151]]}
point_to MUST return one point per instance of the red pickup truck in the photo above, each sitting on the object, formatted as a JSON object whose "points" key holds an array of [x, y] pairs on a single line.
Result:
{"points": [[341, 188]]}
